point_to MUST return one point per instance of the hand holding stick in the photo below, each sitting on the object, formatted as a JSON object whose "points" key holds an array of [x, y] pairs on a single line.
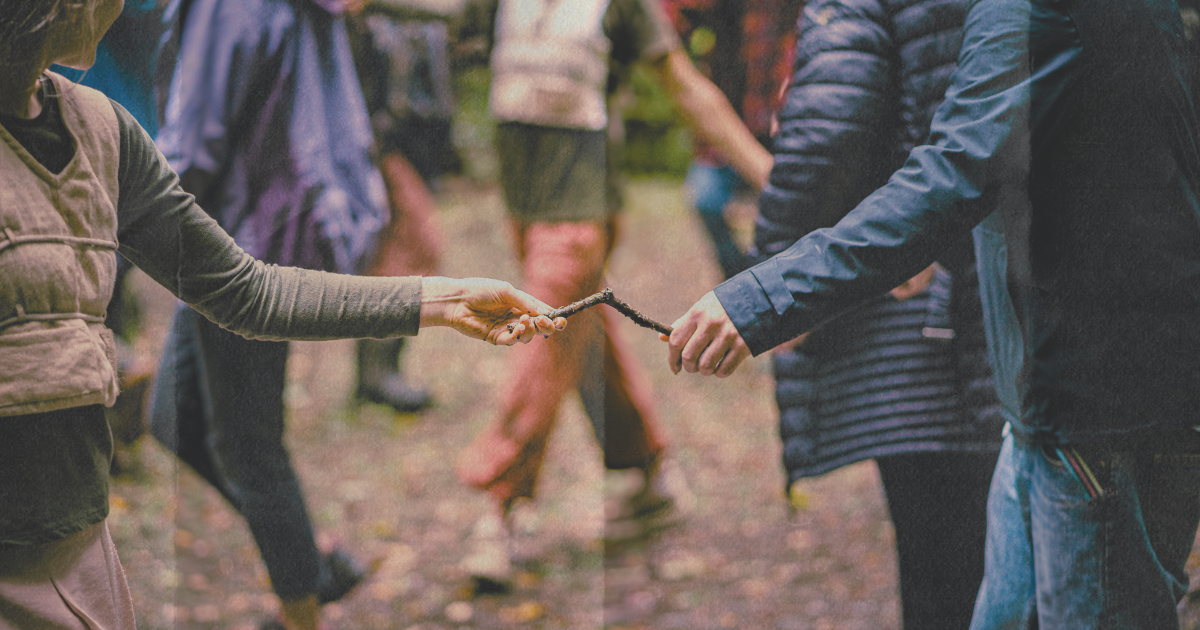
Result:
{"points": [[606, 297]]}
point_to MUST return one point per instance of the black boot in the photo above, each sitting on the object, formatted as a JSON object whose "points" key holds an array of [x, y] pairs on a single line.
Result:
{"points": [[379, 378], [340, 573]]}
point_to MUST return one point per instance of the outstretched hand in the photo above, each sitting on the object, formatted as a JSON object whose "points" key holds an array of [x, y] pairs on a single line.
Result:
{"points": [[486, 309], [704, 340]]}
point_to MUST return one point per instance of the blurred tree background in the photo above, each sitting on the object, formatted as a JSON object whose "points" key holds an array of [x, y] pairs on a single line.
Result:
{"points": [[656, 141]]}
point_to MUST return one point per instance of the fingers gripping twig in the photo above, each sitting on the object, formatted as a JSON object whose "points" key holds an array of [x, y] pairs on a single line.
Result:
{"points": [[606, 297]]}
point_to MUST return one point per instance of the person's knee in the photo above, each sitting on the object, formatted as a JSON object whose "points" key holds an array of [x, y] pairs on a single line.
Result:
{"points": [[565, 260]]}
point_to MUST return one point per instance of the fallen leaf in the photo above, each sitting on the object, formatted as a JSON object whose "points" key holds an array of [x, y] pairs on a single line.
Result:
{"points": [[459, 612], [197, 582], [522, 613]]}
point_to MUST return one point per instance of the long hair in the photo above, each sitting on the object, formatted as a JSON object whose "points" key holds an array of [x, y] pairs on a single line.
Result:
{"points": [[24, 25]]}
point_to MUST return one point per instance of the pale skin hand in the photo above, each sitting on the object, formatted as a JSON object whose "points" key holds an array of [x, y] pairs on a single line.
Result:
{"points": [[706, 341], [916, 284], [481, 308]]}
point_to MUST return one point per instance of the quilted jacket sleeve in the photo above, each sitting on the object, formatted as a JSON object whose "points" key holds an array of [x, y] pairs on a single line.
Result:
{"points": [[836, 123]]}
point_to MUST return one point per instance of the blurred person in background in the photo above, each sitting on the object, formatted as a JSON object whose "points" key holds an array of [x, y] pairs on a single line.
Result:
{"points": [[744, 47], [81, 180], [554, 65], [402, 55], [265, 124], [904, 379]]}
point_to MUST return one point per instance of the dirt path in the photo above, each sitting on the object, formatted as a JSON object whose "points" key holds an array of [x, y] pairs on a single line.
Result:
{"points": [[381, 485]]}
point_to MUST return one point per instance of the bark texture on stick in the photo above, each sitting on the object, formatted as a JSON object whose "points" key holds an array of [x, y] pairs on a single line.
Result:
{"points": [[637, 317], [606, 297], [574, 307]]}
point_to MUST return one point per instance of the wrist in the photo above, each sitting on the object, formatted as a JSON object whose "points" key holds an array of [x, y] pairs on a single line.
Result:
{"points": [[439, 296]]}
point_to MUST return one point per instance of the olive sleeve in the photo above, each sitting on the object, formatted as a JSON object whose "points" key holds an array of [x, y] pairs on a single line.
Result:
{"points": [[168, 236]]}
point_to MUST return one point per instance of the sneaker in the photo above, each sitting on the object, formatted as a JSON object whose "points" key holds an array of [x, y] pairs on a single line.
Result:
{"points": [[340, 573], [488, 561], [396, 392], [663, 501]]}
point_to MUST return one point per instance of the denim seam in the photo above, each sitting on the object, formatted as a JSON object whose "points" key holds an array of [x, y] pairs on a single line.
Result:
{"points": [[1106, 610]]}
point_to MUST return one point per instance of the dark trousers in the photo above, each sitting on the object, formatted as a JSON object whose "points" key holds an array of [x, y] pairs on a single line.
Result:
{"points": [[218, 404], [938, 504]]}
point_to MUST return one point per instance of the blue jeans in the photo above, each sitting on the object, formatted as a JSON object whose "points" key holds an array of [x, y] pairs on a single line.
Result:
{"points": [[1057, 560], [711, 188], [218, 404]]}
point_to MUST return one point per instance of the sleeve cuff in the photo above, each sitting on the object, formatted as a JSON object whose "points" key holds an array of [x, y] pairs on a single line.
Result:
{"points": [[745, 301], [410, 297]]}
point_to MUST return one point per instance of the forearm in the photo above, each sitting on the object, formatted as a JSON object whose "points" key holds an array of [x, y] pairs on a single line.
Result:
{"points": [[202, 266], [709, 115], [893, 234], [270, 302], [164, 233]]}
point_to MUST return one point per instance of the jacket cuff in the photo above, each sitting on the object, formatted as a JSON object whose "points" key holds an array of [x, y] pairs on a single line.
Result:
{"points": [[746, 301]]}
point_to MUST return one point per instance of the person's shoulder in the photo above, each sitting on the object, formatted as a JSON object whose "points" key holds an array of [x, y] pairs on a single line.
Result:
{"points": [[64, 85], [641, 27], [86, 101], [629, 13]]}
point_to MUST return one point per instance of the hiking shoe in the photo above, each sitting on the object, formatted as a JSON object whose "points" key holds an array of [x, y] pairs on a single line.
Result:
{"points": [[396, 392], [489, 561], [663, 501], [340, 573]]}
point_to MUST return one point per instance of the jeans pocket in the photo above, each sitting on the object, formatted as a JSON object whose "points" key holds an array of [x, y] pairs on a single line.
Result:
{"points": [[1090, 468]]}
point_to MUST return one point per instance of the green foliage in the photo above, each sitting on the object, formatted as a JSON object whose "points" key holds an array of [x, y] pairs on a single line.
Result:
{"points": [[701, 42], [656, 141], [474, 130]]}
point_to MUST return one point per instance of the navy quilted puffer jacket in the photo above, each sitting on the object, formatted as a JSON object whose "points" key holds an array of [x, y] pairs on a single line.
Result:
{"points": [[891, 377]]}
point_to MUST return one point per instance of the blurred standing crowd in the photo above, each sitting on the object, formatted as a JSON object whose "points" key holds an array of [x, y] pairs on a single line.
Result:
{"points": [[316, 131]]}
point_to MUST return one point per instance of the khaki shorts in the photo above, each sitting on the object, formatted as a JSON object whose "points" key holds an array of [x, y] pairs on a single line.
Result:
{"points": [[552, 175], [76, 583]]}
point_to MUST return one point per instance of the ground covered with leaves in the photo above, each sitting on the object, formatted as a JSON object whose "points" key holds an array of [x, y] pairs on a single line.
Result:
{"points": [[381, 485]]}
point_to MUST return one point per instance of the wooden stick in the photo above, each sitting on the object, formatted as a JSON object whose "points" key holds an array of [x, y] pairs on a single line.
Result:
{"points": [[606, 297], [637, 317], [574, 307]]}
